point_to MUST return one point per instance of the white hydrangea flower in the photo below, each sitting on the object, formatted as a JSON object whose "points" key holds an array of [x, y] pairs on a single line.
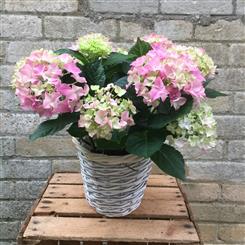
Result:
{"points": [[198, 129]]}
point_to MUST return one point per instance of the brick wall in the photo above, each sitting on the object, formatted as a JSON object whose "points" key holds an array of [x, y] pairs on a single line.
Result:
{"points": [[216, 179]]}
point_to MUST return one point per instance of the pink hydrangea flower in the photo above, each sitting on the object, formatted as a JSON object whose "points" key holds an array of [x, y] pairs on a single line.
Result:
{"points": [[106, 110], [39, 86], [163, 73], [157, 41]]}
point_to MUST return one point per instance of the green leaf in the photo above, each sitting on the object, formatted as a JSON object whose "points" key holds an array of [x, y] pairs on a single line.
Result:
{"points": [[140, 48], [94, 73], [121, 82], [207, 81], [211, 93], [144, 143], [164, 107], [73, 53], [76, 131], [160, 120], [117, 142], [137, 100], [117, 58], [52, 126], [107, 145], [125, 67], [68, 79], [170, 161]]}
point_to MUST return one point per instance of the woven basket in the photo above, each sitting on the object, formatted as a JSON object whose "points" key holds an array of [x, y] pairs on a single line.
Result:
{"points": [[113, 185]]}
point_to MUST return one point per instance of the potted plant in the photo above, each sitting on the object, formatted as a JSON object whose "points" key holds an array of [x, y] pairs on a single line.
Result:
{"points": [[123, 110]]}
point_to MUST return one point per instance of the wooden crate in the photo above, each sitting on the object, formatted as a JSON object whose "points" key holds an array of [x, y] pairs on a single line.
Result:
{"points": [[63, 216]]}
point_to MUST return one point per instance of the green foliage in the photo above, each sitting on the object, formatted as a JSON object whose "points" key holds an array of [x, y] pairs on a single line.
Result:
{"points": [[170, 161], [52, 126], [117, 142], [121, 82], [94, 73], [116, 66], [140, 48], [211, 93], [166, 115], [117, 58], [164, 107], [74, 54], [207, 81], [137, 100], [144, 142], [161, 120], [75, 131]]}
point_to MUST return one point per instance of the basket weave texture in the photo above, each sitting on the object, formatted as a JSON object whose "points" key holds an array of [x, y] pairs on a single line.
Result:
{"points": [[113, 185]]}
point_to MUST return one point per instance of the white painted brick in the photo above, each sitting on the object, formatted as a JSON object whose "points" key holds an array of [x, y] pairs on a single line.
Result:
{"points": [[18, 124], [50, 146], [215, 171], [196, 7], [9, 101], [124, 6], [233, 193], [231, 79], [220, 52], [230, 127], [66, 165], [208, 232], [60, 6], [9, 229], [240, 7], [74, 27], [237, 54], [174, 29], [14, 209], [7, 146], [130, 31], [2, 48], [6, 72], [20, 26], [221, 30], [7, 189], [221, 104], [195, 153], [239, 99], [236, 150], [29, 189], [201, 192], [2, 5], [230, 233], [218, 212], [19, 49], [25, 169], [232, 213]]}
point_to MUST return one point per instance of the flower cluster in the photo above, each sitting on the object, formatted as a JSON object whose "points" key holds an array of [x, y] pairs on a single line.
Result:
{"points": [[158, 41], [93, 46], [106, 111], [200, 57], [38, 83], [198, 128], [164, 72]]}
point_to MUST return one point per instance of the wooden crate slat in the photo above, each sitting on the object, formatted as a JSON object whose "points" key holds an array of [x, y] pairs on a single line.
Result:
{"points": [[76, 191], [67, 178], [76, 179], [162, 181], [80, 207], [101, 229]]}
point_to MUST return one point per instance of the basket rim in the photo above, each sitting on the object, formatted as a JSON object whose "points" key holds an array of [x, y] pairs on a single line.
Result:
{"points": [[104, 158]]}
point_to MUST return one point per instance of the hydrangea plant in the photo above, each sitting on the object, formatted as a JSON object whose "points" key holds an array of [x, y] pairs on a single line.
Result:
{"points": [[146, 101]]}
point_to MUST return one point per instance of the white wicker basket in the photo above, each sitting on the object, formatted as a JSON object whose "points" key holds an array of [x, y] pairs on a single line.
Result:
{"points": [[113, 185]]}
